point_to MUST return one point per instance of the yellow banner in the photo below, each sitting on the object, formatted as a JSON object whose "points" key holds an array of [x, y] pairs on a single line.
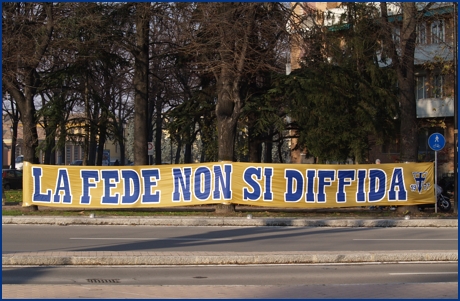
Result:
{"points": [[255, 184]]}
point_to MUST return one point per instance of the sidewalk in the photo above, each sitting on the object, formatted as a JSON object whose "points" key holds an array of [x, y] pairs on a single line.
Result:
{"points": [[440, 290]]}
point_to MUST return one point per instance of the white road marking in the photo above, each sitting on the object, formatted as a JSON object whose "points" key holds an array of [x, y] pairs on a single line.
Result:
{"points": [[405, 239], [149, 238], [425, 273]]}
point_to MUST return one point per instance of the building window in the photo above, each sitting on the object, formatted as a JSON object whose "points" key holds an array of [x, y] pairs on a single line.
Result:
{"points": [[76, 152], [438, 82], [421, 33], [68, 153], [420, 87], [437, 31]]}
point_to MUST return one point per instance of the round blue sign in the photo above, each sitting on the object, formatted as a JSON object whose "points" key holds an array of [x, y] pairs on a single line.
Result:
{"points": [[436, 141]]}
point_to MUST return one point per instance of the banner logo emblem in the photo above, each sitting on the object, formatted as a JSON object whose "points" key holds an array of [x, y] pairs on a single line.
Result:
{"points": [[420, 185]]}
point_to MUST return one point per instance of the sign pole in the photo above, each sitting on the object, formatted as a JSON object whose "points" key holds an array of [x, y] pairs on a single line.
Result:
{"points": [[150, 152], [436, 181], [456, 110], [436, 142]]}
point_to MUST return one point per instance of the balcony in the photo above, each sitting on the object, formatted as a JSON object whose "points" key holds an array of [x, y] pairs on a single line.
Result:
{"points": [[435, 107]]}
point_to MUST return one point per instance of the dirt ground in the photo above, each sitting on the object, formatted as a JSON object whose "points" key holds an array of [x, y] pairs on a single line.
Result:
{"points": [[240, 211]]}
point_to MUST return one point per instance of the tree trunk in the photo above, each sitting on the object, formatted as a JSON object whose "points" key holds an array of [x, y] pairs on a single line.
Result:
{"points": [[86, 151], [30, 135], [254, 145], [102, 140], [13, 143], [29, 122], [407, 209], [408, 131], [255, 151], [403, 63], [92, 149], [226, 131], [50, 153], [178, 150], [228, 109], [158, 130], [225, 208], [405, 71], [268, 152], [141, 64], [409, 145], [188, 153]]}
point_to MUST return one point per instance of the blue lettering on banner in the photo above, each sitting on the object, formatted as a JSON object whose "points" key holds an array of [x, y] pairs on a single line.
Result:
{"points": [[397, 189], [377, 185], [310, 195], [110, 178], [127, 186], [202, 183], [37, 195], [89, 179], [62, 184], [132, 187], [294, 185], [361, 193], [251, 176], [182, 178], [202, 180], [268, 193], [345, 177], [223, 186], [150, 176], [321, 179], [325, 178]]}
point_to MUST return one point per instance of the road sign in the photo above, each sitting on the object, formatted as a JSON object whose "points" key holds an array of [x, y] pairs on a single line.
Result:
{"points": [[436, 141], [150, 148]]}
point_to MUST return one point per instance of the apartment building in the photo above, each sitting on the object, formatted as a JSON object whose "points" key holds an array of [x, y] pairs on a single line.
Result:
{"points": [[435, 81], [72, 151]]}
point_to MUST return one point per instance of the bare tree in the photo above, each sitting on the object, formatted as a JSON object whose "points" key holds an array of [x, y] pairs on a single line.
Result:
{"points": [[402, 53], [27, 29], [232, 41], [11, 110], [141, 67]]}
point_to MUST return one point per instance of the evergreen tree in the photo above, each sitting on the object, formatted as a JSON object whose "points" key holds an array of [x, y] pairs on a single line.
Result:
{"points": [[341, 95]]}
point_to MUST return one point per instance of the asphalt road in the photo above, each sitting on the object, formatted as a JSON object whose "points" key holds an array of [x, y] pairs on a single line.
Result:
{"points": [[375, 281], [41, 238], [236, 275]]}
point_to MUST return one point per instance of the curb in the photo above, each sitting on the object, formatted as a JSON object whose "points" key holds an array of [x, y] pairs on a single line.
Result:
{"points": [[225, 259], [228, 221]]}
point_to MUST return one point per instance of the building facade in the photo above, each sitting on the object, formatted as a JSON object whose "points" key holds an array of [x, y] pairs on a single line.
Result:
{"points": [[72, 151], [435, 82]]}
